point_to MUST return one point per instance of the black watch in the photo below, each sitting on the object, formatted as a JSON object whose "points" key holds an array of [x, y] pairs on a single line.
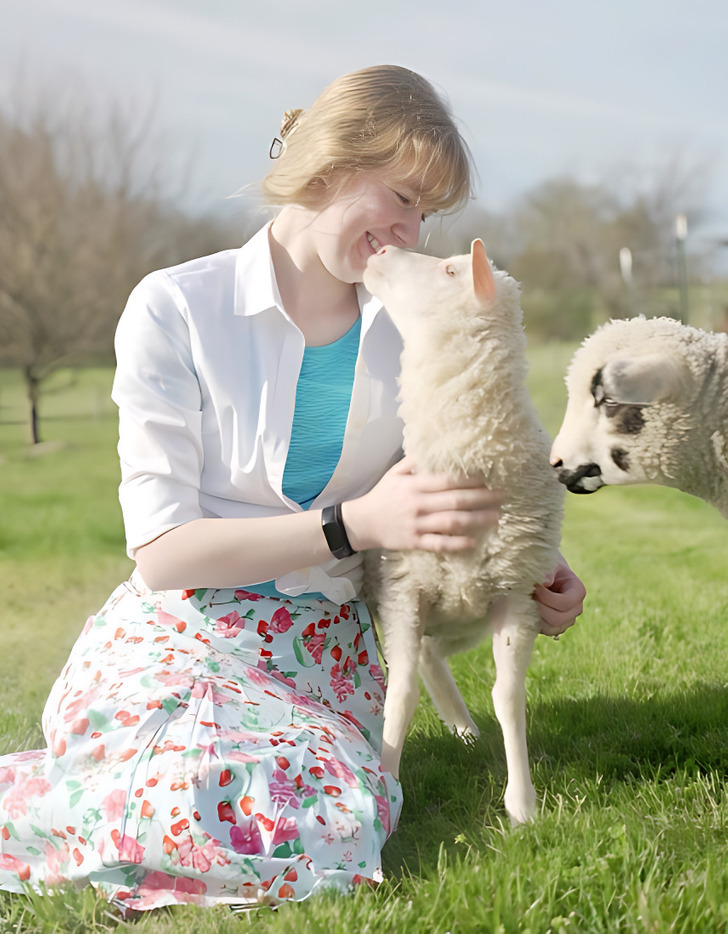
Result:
{"points": [[335, 532]]}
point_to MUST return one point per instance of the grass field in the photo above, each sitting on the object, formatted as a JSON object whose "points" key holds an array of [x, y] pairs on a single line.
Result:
{"points": [[628, 711]]}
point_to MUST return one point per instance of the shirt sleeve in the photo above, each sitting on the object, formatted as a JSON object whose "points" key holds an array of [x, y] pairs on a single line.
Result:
{"points": [[158, 395]]}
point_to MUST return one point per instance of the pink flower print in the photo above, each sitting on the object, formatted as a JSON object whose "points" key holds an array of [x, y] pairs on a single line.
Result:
{"points": [[282, 790], [246, 839], [200, 857], [315, 646], [114, 804], [383, 812], [230, 625], [166, 619], [81, 702], [206, 689], [341, 683], [238, 755], [248, 595], [185, 890], [172, 679], [258, 676], [376, 672], [129, 849], [7, 776], [286, 829], [284, 679], [13, 864], [188, 889], [340, 770], [348, 715], [281, 620], [16, 803], [30, 755], [55, 860]]}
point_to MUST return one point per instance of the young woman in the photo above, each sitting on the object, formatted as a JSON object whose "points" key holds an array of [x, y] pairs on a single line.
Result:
{"points": [[215, 735]]}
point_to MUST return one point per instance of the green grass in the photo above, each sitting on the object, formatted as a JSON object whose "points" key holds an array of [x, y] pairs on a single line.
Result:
{"points": [[628, 711]]}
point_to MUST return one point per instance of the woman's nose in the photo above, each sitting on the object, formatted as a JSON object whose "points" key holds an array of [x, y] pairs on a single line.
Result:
{"points": [[408, 229]]}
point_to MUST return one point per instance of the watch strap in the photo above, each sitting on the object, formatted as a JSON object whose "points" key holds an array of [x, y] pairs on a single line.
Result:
{"points": [[335, 532]]}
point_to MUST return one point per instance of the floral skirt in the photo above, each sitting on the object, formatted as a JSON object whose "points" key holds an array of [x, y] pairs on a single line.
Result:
{"points": [[206, 746]]}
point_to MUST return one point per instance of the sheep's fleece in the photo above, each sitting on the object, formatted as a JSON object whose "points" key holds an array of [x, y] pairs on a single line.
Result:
{"points": [[648, 403], [466, 411]]}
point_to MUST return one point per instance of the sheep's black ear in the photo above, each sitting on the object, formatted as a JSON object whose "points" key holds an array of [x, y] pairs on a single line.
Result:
{"points": [[645, 379], [483, 280]]}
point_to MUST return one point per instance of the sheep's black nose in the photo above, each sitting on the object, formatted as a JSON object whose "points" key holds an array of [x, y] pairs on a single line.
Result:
{"points": [[572, 478]]}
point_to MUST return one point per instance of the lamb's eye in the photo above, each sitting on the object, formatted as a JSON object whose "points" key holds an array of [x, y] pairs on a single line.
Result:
{"points": [[451, 271], [601, 398]]}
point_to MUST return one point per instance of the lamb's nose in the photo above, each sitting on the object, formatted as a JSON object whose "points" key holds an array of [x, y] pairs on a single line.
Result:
{"points": [[572, 479]]}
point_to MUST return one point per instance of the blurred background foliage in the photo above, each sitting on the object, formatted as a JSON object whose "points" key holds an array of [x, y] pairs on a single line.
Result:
{"points": [[89, 205]]}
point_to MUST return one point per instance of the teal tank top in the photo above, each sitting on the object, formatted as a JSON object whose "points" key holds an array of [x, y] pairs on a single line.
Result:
{"points": [[323, 396]]}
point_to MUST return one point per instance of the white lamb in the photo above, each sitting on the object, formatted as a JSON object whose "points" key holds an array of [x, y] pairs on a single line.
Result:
{"points": [[466, 411], [648, 403]]}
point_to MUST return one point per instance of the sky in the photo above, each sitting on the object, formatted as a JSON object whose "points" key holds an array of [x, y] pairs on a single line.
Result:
{"points": [[541, 88]]}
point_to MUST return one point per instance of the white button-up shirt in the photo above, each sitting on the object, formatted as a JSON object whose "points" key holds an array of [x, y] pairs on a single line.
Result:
{"points": [[207, 366]]}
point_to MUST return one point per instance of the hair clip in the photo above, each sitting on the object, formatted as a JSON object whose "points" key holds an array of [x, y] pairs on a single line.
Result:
{"points": [[276, 148], [288, 124]]}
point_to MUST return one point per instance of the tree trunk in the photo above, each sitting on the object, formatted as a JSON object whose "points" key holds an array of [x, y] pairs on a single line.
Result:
{"points": [[32, 384]]}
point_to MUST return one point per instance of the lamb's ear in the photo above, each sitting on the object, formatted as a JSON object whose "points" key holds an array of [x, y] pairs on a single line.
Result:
{"points": [[482, 274], [646, 379]]}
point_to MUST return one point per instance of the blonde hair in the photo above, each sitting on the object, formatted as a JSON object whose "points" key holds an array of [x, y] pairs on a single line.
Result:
{"points": [[384, 117]]}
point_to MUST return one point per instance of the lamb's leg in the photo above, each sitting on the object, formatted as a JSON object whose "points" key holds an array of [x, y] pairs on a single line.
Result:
{"points": [[514, 625], [443, 690], [402, 623]]}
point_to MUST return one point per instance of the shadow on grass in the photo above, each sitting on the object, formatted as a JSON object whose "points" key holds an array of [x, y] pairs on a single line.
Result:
{"points": [[452, 791]]}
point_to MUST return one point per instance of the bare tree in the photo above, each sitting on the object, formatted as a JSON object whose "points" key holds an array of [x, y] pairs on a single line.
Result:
{"points": [[82, 218]]}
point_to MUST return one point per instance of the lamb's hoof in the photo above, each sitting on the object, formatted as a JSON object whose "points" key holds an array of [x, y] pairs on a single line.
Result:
{"points": [[468, 734], [521, 808]]}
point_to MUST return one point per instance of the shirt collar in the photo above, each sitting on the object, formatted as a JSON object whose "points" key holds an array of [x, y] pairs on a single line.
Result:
{"points": [[256, 288]]}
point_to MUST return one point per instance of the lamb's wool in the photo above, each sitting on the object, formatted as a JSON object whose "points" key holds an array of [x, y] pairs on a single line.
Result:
{"points": [[683, 431], [466, 410]]}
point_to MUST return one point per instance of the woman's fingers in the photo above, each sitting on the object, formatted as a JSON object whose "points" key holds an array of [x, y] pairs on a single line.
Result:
{"points": [[560, 599]]}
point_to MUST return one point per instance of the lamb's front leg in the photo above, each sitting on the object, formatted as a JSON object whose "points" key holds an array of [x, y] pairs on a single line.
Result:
{"points": [[514, 622], [402, 624]]}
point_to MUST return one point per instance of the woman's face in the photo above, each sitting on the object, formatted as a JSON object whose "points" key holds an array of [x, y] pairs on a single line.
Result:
{"points": [[371, 211]]}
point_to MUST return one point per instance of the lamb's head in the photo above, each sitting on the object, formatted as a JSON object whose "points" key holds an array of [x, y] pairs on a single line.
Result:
{"points": [[416, 288], [627, 385]]}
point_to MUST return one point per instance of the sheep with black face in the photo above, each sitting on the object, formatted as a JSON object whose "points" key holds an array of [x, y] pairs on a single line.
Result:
{"points": [[647, 403]]}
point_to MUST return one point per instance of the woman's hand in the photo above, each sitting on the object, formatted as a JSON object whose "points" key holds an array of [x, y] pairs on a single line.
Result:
{"points": [[430, 512], [560, 600]]}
